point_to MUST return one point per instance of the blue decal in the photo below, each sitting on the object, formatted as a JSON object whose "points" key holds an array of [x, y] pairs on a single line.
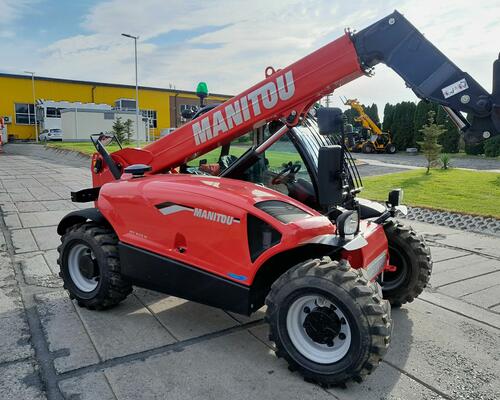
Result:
{"points": [[238, 277]]}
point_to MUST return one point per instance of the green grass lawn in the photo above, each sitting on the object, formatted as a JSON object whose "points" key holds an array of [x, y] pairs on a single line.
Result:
{"points": [[462, 191], [86, 147], [276, 158]]}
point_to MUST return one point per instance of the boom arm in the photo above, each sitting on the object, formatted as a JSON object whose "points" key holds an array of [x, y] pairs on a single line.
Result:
{"points": [[288, 94]]}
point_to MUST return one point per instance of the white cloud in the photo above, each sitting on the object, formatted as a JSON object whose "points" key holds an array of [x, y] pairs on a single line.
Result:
{"points": [[258, 34]]}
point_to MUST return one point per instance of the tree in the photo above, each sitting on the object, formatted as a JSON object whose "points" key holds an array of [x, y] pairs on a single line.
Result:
{"points": [[388, 117], [450, 139], [372, 112], [128, 130], [402, 130], [421, 116], [429, 144], [119, 130]]}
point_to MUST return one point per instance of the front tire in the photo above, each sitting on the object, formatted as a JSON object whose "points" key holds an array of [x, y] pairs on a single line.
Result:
{"points": [[390, 149], [90, 266], [328, 321], [411, 256]]}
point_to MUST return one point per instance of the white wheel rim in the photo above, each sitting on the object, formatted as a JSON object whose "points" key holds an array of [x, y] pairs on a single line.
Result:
{"points": [[81, 282], [317, 352]]}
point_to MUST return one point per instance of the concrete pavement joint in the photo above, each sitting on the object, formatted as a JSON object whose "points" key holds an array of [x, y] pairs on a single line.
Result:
{"points": [[466, 279], [449, 246], [458, 312], [155, 316], [414, 378], [166, 349], [42, 354]]}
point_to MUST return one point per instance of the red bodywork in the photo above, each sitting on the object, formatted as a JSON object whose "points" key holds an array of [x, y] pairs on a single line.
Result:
{"points": [[131, 205], [160, 213]]}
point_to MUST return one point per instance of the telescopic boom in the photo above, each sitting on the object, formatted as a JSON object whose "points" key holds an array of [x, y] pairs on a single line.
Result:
{"points": [[287, 94]]}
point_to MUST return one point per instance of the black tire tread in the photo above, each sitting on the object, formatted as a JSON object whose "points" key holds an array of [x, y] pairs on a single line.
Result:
{"points": [[354, 281], [118, 289], [421, 252]]}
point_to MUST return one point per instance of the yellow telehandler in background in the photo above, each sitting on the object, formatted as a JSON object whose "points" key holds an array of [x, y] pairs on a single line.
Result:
{"points": [[376, 141]]}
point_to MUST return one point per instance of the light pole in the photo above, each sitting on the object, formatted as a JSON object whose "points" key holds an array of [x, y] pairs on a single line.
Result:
{"points": [[136, 86], [34, 102]]}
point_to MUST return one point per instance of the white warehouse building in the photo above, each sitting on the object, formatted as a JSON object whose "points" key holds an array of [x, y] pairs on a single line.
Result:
{"points": [[78, 124]]}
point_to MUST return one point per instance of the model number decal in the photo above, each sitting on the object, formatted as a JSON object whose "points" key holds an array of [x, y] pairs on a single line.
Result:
{"points": [[455, 88]]}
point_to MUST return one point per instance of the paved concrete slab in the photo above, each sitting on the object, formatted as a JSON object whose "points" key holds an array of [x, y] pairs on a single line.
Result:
{"points": [[443, 346], [486, 298], [36, 271], [7, 277], [91, 386], [472, 285], [12, 221], [51, 257], [65, 333], [41, 218], [46, 238], [3, 244], [235, 366], [14, 331], [126, 329], [444, 253], [458, 269], [20, 381], [30, 206], [59, 205], [23, 241], [433, 345], [185, 319]]}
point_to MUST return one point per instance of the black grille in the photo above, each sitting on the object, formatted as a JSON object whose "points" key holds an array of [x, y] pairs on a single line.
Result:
{"points": [[261, 236], [282, 211]]}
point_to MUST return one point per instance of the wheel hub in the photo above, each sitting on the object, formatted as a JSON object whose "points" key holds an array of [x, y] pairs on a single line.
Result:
{"points": [[83, 267], [87, 266], [318, 328], [322, 325]]}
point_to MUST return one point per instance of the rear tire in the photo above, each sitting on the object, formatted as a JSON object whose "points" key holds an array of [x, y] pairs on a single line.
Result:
{"points": [[90, 266], [368, 148], [328, 321], [409, 253]]}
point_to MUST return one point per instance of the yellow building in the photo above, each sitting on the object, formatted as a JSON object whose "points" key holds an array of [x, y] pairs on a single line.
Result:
{"points": [[162, 106]]}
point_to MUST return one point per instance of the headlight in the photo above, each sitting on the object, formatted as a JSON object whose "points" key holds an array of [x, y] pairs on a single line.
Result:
{"points": [[395, 197], [348, 223]]}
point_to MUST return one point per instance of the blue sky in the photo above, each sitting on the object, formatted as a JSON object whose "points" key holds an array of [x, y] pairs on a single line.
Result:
{"points": [[228, 43]]}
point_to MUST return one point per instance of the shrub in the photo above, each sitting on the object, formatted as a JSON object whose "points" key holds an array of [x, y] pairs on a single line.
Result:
{"points": [[445, 160], [492, 147]]}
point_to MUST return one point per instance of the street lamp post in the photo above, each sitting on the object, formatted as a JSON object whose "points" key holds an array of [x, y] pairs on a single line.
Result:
{"points": [[34, 101], [136, 86]]}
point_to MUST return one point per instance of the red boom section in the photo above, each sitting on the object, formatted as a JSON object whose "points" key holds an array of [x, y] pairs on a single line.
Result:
{"points": [[286, 93]]}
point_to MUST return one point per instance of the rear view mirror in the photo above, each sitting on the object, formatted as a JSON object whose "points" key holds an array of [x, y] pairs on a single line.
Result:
{"points": [[330, 120], [330, 182]]}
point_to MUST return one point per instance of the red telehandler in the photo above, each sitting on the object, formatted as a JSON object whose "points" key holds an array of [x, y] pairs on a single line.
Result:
{"points": [[244, 232]]}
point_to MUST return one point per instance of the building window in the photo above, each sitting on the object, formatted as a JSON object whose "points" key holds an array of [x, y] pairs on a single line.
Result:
{"points": [[25, 114], [151, 116], [53, 112]]}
